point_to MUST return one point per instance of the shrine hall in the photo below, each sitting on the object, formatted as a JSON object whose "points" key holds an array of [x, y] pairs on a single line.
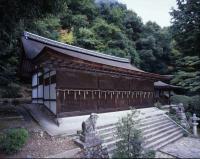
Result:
{"points": [[70, 80]]}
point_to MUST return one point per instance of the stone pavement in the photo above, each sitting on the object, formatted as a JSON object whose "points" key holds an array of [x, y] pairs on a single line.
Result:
{"points": [[163, 155], [186, 147], [70, 125]]}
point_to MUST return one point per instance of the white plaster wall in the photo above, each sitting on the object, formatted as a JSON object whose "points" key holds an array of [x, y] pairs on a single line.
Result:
{"points": [[40, 101], [34, 79], [53, 106], [34, 101], [52, 88], [52, 73], [53, 91], [46, 92], [34, 93], [40, 91]]}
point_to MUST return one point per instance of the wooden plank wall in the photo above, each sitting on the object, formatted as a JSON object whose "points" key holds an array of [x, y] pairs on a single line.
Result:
{"points": [[67, 101]]}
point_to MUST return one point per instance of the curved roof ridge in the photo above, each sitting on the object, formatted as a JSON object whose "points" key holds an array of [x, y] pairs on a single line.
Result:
{"points": [[75, 48]]}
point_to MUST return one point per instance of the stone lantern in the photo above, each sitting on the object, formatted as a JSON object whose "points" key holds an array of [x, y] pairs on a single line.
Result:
{"points": [[194, 119]]}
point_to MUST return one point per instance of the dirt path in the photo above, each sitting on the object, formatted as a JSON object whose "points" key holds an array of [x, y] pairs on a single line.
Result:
{"points": [[39, 143]]}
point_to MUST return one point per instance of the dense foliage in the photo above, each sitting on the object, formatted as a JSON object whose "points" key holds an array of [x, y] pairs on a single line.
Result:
{"points": [[186, 32], [13, 140], [190, 103], [106, 26], [186, 26]]}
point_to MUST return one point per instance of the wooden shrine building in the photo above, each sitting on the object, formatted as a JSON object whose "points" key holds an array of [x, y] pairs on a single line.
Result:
{"points": [[71, 81], [163, 92]]}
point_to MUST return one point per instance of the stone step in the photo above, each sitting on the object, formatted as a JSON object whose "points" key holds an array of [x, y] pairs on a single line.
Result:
{"points": [[106, 129], [151, 115], [141, 124], [105, 126], [146, 120], [157, 123], [110, 144], [109, 138], [155, 128], [163, 141], [154, 133], [170, 140], [108, 134], [161, 135], [151, 121]]}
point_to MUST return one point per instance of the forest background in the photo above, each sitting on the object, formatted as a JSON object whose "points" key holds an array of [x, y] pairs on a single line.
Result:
{"points": [[109, 27]]}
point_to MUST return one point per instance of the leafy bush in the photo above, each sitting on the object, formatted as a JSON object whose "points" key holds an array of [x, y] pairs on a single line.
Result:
{"points": [[11, 91], [186, 100], [13, 140], [172, 111], [149, 154], [185, 134], [175, 118], [15, 102], [191, 104], [130, 145], [195, 105], [188, 115]]}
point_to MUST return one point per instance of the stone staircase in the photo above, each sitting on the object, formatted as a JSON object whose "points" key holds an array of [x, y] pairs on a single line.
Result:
{"points": [[158, 130]]}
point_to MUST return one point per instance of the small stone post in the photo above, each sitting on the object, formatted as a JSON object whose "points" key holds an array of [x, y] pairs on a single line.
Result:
{"points": [[194, 124]]}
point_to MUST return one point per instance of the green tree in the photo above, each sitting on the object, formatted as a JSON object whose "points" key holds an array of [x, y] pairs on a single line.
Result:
{"points": [[47, 27], [154, 48], [130, 145], [132, 25], [186, 49], [186, 30], [17, 16], [188, 74], [86, 38]]}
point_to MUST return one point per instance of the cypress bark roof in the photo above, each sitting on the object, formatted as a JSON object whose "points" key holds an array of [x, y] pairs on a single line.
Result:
{"points": [[160, 85], [34, 44]]}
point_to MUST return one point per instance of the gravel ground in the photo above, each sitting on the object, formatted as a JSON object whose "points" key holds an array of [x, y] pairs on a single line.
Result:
{"points": [[162, 155], [39, 143]]}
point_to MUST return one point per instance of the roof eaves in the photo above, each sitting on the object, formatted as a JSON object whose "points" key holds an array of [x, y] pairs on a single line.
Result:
{"points": [[47, 41]]}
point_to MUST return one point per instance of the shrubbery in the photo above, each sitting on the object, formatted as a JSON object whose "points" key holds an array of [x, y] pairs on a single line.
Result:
{"points": [[149, 154], [13, 140], [11, 91], [195, 105], [176, 99], [130, 145], [191, 104]]}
